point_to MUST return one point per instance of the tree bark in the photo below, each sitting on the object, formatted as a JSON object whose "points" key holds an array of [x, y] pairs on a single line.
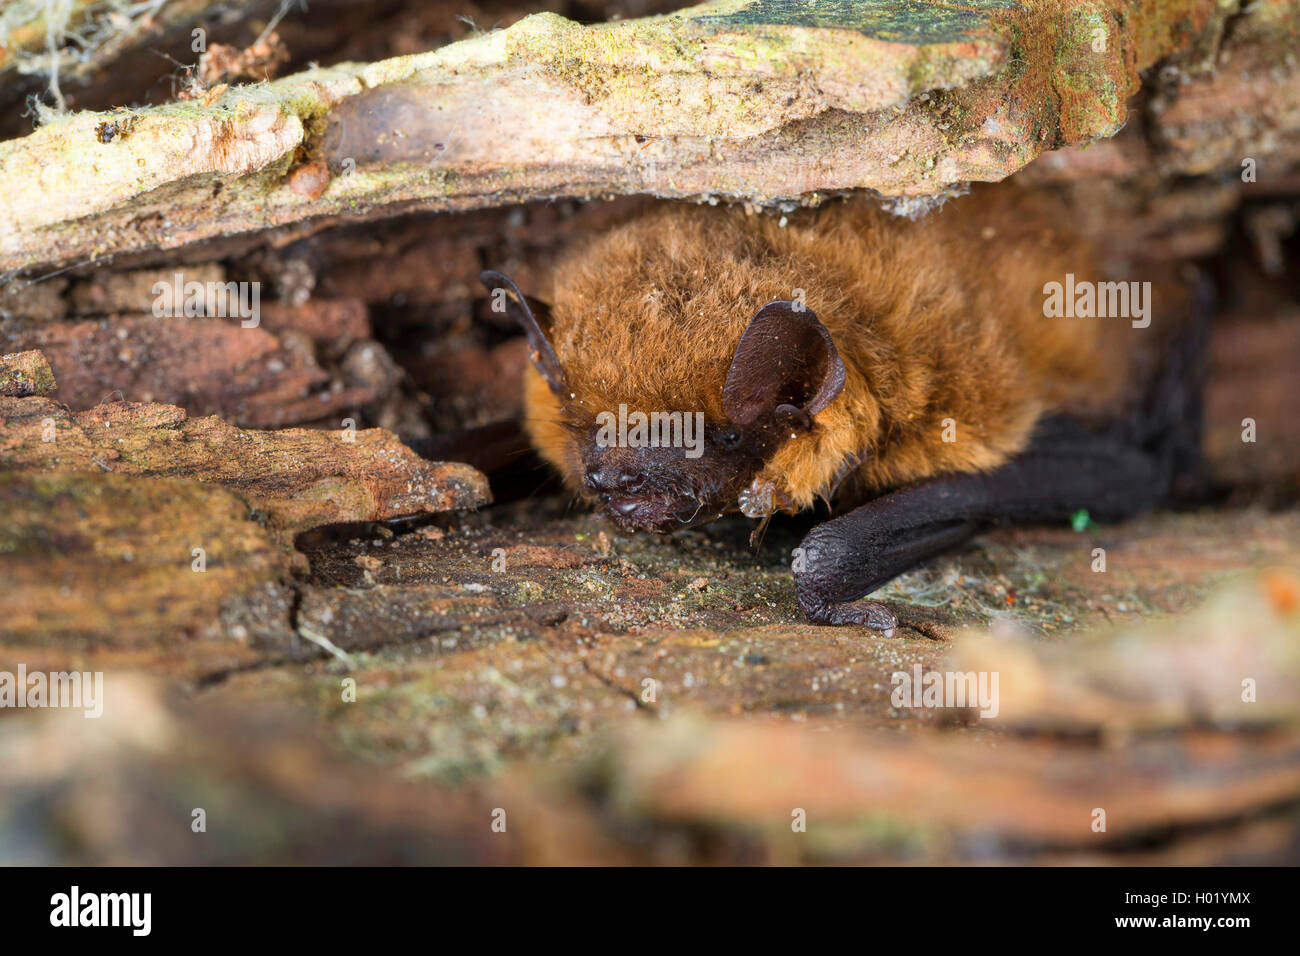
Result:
{"points": [[764, 102]]}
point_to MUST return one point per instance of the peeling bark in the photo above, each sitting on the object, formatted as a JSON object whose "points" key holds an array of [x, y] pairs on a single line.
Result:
{"points": [[295, 477], [734, 98]]}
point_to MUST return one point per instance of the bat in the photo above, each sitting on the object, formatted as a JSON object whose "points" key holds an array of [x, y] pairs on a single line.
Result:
{"points": [[928, 379]]}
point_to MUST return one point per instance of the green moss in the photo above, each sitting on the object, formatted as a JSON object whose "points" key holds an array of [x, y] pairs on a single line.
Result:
{"points": [[894, 21]]}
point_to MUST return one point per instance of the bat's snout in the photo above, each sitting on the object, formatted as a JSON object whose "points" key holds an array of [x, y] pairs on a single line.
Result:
{"points": [[658, 514], [654, 489]]}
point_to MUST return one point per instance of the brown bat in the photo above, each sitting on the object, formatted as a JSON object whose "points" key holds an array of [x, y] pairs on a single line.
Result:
{"points": [[927, 375]]}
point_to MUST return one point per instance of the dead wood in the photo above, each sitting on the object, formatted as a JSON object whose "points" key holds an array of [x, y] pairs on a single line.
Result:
{"points": [[734, 99], [296, 478]]}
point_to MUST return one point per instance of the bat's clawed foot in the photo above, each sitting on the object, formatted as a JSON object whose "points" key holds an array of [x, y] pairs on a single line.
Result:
{"points": [[870, 614], [839, 565]]}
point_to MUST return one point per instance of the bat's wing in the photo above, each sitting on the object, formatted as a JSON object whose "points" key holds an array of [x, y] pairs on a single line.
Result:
{"points": [[1131, 466]]}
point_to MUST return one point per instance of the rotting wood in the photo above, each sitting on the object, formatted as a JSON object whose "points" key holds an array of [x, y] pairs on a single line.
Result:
{"points": [[25, 373], [298, 478], [125, 569], [733, 98]]}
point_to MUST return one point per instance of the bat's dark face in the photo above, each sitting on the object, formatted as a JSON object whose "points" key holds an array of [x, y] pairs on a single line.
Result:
{"points": [[650, 457], [696, 474]]}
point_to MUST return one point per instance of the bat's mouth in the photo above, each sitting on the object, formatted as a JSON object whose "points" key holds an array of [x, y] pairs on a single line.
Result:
{"points": [[659, 514]]}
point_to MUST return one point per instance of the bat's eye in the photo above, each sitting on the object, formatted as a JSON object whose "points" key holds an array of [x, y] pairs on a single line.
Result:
{"points": [[730, 438]]}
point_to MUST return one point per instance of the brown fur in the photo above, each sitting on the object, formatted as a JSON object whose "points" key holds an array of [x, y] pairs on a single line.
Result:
{"points": [[936, 319]]}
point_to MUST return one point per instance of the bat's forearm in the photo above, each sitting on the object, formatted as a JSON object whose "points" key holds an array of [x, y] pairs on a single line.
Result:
{"points": [[1066, 468]]}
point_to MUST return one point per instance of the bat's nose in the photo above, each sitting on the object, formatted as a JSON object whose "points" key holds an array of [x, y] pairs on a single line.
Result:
{"points": [[607, 480]]}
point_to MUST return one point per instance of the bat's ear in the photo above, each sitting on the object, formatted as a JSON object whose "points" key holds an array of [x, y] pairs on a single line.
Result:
{"points": [[785, 364], [525, 312]]}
